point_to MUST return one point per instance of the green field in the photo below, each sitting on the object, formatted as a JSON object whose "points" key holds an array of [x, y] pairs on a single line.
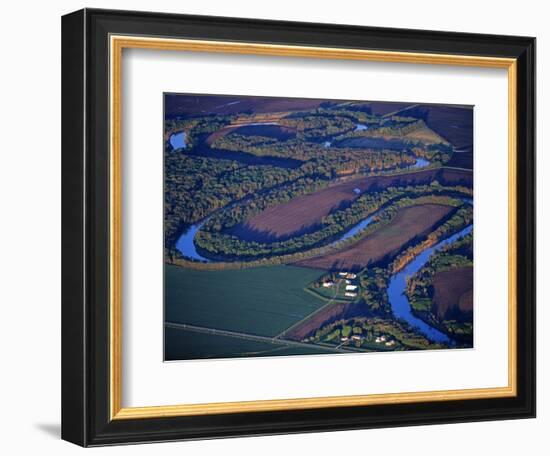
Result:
{"points": [[183, 344], [262, 301]]}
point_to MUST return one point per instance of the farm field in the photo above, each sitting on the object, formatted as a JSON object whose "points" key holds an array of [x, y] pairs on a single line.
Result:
{"points": [[261, 301], [324, 316], [453, 293], [304, 213], [184, 344], [382, 108], [408, 224], [206, 104], [455, 124]]}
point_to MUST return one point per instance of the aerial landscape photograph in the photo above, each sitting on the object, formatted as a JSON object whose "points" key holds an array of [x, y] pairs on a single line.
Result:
{"points": [[298, 226]]}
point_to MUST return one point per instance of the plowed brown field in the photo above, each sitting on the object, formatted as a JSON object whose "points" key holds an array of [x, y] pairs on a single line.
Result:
{"points": [[304, 213], [453, 297], [409, 223]]}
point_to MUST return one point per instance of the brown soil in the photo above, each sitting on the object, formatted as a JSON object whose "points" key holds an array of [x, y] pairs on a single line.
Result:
{"points": [[410, 223], [304, 213], [199, 105], [453, 293]]}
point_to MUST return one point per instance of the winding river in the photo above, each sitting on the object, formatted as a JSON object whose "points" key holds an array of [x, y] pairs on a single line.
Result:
{"points": [[186, 244], [396, 289], [398, 282]]}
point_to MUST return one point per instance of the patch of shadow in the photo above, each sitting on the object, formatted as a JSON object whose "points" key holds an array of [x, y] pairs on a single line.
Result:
{"points": [[51, 429]]}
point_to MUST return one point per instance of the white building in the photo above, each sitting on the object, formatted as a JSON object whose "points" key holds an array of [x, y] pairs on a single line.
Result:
{"points": [[350, 294], [351, 287]]}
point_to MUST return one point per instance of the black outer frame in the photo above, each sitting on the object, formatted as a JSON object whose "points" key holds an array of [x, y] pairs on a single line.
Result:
{"points": [[85, 225]]}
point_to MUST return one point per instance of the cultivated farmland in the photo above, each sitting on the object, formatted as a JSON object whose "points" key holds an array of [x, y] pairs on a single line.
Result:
{"points": [[262, 301], [453, 297], [184, 344], [452, 123], [304, 213], [410, 223], [176, 104]]}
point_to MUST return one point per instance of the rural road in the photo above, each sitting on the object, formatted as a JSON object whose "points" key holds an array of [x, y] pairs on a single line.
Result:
{"points": [[272, 340]]}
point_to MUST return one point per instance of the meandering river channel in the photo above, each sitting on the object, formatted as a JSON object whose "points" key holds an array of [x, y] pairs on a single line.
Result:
{"points": [[398, 283]]}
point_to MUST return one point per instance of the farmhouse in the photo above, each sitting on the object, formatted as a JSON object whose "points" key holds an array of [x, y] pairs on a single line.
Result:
{"points": [[390, 343], [342, 274], [351, 276], [328, 283], [351, 287], [357, 337], [380, 339], [350, 294]]}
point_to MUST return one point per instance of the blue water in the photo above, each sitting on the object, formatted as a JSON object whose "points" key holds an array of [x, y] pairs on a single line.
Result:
{"points": [[327, 144], [186, 246], [396, 290], [360, 127], [356, 229], [177, 140], [419, 163]]}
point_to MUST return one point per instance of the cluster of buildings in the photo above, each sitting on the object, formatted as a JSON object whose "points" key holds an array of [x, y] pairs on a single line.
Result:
{"points": [[379, 340], [383, 340], [355, 337], [351, 289]]}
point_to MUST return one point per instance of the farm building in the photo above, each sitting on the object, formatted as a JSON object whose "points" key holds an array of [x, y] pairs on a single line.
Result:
{"points": [[351, 276], [351, 287], [350, 294], [328, 283], [342, 274]]}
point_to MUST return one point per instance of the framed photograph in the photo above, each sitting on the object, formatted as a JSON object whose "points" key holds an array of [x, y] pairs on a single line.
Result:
{"points": [[268, 227]]}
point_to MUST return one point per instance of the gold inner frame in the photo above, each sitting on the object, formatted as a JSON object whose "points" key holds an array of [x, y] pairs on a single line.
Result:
{"points": [[117, 44]]}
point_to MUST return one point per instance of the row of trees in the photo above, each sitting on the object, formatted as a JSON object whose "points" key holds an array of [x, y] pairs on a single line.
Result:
{"points": [[369, 328], [463, 217]]}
